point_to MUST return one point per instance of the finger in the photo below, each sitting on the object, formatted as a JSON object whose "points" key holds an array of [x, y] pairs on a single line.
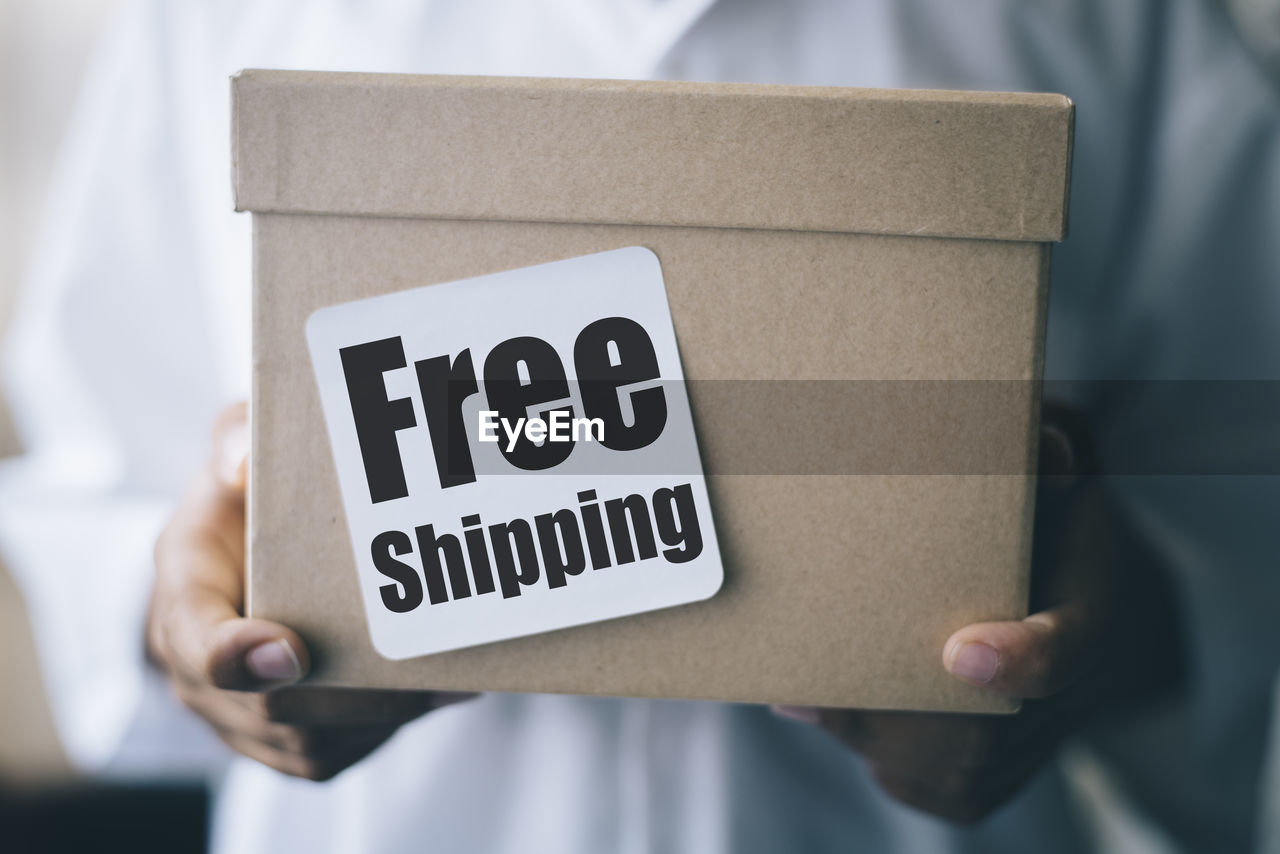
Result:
{"points": [[207, 639], [251, 655], [961, 795], [272, 757], [906, 739], [923, 742], [232, 711], [1035, 657], [1067, 448], [958, 767], [231, 447], [1057, 456], [196, 617], [958, 807], [228, 712], [320, 706], [800, 714], [318, 766]]}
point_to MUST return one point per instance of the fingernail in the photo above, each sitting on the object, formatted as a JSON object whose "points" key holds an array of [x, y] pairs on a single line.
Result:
{"points": [[233, 450], [273, 661], [448, 698], [976, 662], [1057, 457], [803, 714]]}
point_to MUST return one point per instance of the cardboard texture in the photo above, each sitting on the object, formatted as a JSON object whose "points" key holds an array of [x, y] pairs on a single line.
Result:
{"points": [[804, 234]]}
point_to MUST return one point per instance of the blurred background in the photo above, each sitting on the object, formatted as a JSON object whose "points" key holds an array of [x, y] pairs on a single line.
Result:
{"points": [[43, 50], [44, 47]]}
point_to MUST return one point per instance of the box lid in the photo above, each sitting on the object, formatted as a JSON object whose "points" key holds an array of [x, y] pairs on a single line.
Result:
{"points": [[878, 161]]}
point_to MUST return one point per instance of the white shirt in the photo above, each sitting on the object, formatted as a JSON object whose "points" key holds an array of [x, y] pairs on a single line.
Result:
{"points": [[133, 332]]}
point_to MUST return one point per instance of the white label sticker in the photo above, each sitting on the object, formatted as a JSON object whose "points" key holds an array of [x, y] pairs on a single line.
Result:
{"points": [[516, 452]]}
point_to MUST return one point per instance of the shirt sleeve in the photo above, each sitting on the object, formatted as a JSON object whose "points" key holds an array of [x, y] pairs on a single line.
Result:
{"points": [[107, 374]]}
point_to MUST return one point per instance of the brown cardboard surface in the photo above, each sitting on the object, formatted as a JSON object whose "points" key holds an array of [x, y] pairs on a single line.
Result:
{"points": [[951, 164], [840, 588]]}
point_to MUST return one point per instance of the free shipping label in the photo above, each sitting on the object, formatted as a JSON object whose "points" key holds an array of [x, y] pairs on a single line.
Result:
{"points": [[515, 452]]}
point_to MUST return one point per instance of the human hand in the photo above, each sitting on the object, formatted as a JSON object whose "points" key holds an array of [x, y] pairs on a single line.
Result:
{"points": [[1103, 635], [239, 674]]}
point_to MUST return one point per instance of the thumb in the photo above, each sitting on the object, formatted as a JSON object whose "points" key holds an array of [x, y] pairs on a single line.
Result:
{"points": [[196, 619], [1026, 659], [254, 655], [231, 447], [215, 645]]}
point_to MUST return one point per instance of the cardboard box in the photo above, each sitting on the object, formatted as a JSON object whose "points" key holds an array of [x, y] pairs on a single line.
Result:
{"points": [[892, 247]]}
